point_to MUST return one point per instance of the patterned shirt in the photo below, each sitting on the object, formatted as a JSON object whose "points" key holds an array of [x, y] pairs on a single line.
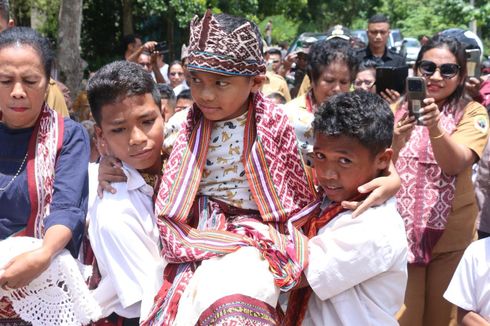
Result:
{"points": [[224, 175]]}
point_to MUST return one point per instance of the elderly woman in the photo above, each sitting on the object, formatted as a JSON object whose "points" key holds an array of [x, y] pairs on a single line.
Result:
{"points": [[43, 162], [434, 160]]}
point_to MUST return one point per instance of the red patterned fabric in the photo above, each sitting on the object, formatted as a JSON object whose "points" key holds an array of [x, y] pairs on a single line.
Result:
{"points": [[298, 299], [239, 310], [43, 149], [279, 187], [214, 50], [425, 198]]}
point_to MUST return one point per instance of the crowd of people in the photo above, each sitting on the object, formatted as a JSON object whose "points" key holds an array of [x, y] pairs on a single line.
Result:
{"points": [[242, 185]]}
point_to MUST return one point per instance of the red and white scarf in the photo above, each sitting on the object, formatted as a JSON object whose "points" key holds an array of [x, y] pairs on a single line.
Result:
{"points": [[278, 184], [425, 198], [43, 150]]}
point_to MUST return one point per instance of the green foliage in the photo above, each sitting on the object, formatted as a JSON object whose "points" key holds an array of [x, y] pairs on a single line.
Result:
{"points": [[50, 8], [283, 28]]}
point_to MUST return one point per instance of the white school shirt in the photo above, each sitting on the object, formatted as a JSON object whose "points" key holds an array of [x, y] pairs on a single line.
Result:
{"points": [[470, 286], [358, 269], [125, 240]]}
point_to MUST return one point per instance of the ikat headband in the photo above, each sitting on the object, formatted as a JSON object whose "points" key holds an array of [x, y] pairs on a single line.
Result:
{"points": [[213, 50]]}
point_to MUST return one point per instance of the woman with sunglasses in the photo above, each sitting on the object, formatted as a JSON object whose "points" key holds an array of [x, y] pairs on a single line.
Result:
{"points": [[176, 75], [434, 156]]}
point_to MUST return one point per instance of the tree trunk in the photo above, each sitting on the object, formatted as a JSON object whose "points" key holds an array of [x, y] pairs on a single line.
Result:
{"points": [[127, 8], [69, 61]]}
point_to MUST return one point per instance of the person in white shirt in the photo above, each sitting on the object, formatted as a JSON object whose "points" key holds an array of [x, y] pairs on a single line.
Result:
{"points": [[357, 266], [125, 103], [469, 289]]}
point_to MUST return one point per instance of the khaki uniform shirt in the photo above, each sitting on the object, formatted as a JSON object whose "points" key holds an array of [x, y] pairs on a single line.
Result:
{"points": [[472, 132]]}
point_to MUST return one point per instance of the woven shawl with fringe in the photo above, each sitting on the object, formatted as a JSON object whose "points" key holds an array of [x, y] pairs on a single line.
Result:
{"points": [[278, 184]]}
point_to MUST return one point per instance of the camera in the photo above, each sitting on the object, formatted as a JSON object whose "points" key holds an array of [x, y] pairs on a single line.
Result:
{"points": [[161, 47]]}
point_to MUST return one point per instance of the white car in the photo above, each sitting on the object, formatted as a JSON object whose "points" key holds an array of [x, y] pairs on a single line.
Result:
{"points": [[410, 49]]}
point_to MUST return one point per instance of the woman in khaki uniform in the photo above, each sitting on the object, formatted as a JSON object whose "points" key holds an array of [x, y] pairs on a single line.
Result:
{"points": [[434, 160]]}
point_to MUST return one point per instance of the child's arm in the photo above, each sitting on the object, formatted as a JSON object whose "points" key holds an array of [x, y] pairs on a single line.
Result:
{"points": [[470, 318], [381, 189]]}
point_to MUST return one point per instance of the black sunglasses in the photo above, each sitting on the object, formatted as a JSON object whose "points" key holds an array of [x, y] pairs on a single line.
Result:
{"points": [[447, 70]]}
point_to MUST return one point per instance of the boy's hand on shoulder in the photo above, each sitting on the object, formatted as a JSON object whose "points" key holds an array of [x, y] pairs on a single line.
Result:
{"points": [[110, 170], [380, 190]]}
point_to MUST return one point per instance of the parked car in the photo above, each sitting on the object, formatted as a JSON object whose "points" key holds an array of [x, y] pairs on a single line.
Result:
{"points": [[396, 37], [410, 49], [306, 39]]}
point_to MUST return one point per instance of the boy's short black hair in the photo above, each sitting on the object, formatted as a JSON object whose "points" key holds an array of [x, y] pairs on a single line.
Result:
{"points": [[166, 92], [274, 51], [117, 80], [277, 96], [323, 53], [128, 39], [185, 94], [360, 115], [378, 18], [367, 64]]}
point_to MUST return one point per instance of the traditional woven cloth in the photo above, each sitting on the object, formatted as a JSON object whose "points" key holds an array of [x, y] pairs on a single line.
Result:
{"points": [[58, 296], [298, 299], [44, 146], [213, 50], [43, 149], [279, 186], [239, 310], [425, 198]]}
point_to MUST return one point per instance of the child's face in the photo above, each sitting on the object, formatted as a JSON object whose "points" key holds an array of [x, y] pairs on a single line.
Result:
{"points": [[182, 104], [133, 131], [342, 164], [222, 97]]}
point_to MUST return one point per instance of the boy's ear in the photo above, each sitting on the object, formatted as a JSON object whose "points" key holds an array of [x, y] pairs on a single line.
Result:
{"points": [[257, 82], [98, 131], [383, 159]]}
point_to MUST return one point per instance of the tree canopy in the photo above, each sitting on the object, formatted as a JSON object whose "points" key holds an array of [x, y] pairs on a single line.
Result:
{"points": [[105, 21]]}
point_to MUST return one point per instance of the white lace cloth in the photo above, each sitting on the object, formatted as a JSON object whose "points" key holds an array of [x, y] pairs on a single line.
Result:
{"points": [[59, 296]]}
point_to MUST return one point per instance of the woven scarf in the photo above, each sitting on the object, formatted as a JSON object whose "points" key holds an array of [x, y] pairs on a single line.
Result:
{"points": [[278, 184], [43, 149], [425, 198], [298, 299]]}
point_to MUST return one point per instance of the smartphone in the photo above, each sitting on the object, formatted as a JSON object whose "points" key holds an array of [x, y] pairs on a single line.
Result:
{"points": [[416, 93], [391, 78], [473, 62], [161, 47]]}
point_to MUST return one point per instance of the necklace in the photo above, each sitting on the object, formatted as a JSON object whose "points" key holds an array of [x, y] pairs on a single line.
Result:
{"points": [[2, 189]]}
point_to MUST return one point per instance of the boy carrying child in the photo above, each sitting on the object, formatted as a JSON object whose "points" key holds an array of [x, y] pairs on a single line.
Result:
{"points": [[125, 104], [231, 189], [357, 269]]}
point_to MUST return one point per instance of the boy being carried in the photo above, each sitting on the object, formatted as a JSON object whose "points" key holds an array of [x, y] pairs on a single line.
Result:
{"points": [[125, 104], [231, 183], [357, 270]]}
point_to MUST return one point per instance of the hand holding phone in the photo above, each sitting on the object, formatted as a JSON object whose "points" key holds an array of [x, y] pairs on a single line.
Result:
{"points": [[416, 93], [473, 62]]}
